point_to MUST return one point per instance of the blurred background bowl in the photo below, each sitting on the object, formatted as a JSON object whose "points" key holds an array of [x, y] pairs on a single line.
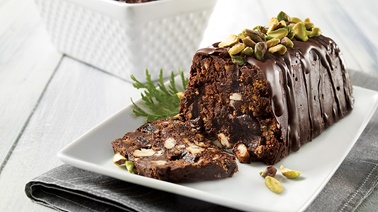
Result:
{"points": [[124, 39]]}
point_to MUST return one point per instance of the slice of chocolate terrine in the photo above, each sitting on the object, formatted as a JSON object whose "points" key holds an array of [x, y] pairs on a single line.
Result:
{"points": [[269, 90], [172, 150]]}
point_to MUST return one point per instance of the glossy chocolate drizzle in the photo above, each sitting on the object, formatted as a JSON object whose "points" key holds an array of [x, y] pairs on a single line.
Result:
{"points": [[281, 73]]}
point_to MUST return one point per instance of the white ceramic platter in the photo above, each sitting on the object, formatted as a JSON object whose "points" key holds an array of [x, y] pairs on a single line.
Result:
{"points": [[317, 161]]}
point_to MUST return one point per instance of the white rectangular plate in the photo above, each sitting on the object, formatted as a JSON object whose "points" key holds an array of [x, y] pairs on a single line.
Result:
{"points": [[317, 161]]}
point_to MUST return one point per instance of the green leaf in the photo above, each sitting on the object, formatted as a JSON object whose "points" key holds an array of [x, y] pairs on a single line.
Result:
{"points": [[172, 84], [158, 100]]}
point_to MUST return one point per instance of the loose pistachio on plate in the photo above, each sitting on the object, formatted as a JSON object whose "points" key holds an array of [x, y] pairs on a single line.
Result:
{"points": [[291, 174]]}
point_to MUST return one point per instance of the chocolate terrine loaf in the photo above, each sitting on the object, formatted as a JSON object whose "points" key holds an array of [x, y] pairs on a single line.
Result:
{"points": [[260, 94], [171, 150], [269, 90]]}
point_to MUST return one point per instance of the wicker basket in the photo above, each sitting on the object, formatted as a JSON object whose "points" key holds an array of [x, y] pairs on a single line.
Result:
{"points": [[125, 39]]}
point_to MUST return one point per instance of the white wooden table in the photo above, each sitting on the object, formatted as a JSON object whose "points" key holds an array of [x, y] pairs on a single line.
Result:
{"points": [[48, 99]]}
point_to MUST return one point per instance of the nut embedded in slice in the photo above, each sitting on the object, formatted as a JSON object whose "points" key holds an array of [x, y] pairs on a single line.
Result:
{"points": [[159, 162], [180, 94], [236, 96], [193, 157], [143, 152], [241, 152], [194, 149], [169, 143], [118, 159], [224, 140]]}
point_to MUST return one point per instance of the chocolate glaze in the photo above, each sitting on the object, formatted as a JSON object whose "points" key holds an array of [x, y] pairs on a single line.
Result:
{"points": [[305, 99]]}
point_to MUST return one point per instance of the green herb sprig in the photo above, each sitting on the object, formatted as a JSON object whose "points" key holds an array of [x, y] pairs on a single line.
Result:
{"points": [[160, 101]]}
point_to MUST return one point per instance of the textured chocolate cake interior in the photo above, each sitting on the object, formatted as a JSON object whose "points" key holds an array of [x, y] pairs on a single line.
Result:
{"points": [[171, 150], [271, 107]]}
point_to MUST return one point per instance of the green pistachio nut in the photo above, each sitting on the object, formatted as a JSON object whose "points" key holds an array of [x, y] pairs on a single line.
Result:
{"points": [[180, 94], [278, 33], [273, 184], [295, 20], [254, 35], [275, 38], [272, 42], [282, 24], [230, 40], [307, 20], [248, 51], [291, 35], [291, 174], [273, 24], [249, 42], [289, 28], [308, 25], [129, 166], [260, 50], [261, 29], [236, 49], [314, 32], [300, 32], [287, 42], [241, 36], [280, 49], [237, 59], [283, 16]]}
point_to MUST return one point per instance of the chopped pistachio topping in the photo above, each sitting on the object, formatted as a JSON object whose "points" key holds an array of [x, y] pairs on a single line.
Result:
{"points": [[275, 38]]}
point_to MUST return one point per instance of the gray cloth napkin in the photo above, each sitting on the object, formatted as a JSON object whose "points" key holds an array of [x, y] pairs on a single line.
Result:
{"points": [[68, 188]]}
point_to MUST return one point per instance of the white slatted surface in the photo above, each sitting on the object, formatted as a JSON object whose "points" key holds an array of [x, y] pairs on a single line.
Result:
{"points": [[47, 100]]}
